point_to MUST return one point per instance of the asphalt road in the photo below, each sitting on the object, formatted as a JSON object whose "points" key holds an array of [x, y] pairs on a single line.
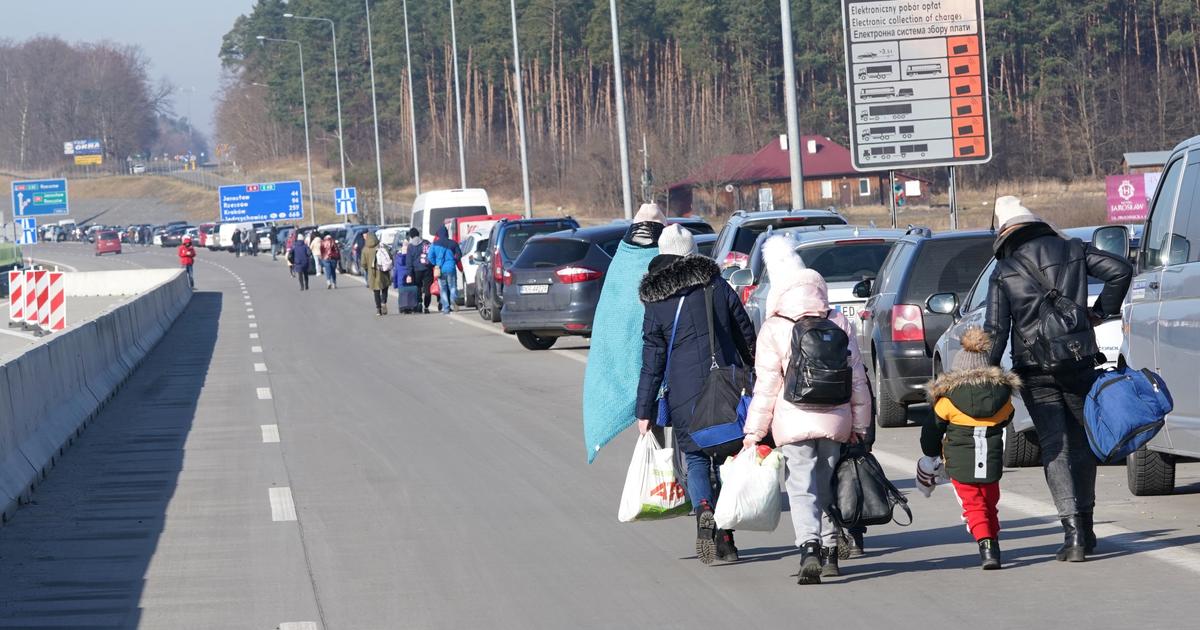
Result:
{"points": [[438, 479]]}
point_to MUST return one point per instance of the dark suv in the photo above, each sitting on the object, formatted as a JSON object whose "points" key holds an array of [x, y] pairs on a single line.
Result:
{"points": [[505, 242], [736, 240], [899, 331]]}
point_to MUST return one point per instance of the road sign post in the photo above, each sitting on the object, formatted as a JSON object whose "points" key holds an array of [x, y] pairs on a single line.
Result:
{"points": [[272, 201], [40, 198], [345, 201]]}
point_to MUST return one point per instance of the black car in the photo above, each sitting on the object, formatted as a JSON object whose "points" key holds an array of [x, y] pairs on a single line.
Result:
{"points": [[505, 241], [345, 239], [899, 331], [173, 235], [555, 283]]}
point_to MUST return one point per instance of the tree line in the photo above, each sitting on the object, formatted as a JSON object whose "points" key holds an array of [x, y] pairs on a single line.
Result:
{"points": [[1073, 85]]}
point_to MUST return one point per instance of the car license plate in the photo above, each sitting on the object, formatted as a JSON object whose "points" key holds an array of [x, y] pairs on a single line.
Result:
{"points": [[847, 310], [535, 289]]}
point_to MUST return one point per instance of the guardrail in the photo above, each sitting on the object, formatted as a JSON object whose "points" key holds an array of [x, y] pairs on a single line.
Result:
{"points": [[50, 392]]}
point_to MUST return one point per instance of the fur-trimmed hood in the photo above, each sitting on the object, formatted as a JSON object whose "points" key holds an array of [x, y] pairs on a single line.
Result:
{"points": [[663, 282], [987, 377]]}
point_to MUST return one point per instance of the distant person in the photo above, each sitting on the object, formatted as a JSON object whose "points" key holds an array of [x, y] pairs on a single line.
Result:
{"points": [[147, 236], [446, 258], [273, 239], [356, 249], [407, 295], [314, 243], [237, 243], [187, 258], [301, 258], [377, 265], [329, 260], [252, 241], [417, 260]]}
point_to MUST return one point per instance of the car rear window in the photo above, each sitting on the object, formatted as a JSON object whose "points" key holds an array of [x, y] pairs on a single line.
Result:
{"points": [[516, 236], [846, 261], [439, 216], [108, 236], [551, 252], [748, 233], [947, 266]]}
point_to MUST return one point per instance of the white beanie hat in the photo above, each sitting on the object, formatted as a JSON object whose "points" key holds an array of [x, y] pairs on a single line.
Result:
{"points": [[1009, 212], [676, 241], [649, 212]]}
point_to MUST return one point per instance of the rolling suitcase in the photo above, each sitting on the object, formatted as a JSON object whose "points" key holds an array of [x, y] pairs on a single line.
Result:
{"points": [[409, 300]]}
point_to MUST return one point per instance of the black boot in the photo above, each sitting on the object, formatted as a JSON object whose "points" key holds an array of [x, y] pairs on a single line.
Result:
{"points": [[810, 563], [726, 550], [706, 533], [989, 554], [1074, 546], [856, 545], [829, 562], [1086, 523]]}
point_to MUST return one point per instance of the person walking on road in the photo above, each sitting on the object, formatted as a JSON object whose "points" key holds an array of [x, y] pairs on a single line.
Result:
{"points": [[378, 274], [329, 260], [446, 258], [187, 258], [301, 257], [676, 322], [273, 239], [972, 403], [251, 241], [314, 245], [237, 243], [810, 434], [356, 248], [418, 265]]}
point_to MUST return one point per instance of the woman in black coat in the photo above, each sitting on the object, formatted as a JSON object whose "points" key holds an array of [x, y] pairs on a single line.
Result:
{"points": [[675, 283]]}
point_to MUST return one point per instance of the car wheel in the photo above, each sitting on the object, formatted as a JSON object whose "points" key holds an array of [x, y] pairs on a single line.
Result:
{"points": [[481, 302], [469, 296], [888, 413], [1150, 473], [1021, 450], [534, 342]]}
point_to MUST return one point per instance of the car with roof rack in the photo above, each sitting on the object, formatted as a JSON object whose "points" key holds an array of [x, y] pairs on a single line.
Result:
{"points": [[736, 240]]}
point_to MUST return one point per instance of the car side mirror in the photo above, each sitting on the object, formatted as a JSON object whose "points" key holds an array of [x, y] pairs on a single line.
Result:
{"points": [[481, 246], [1113, 239], [942, 303], [863, 288], [728, 272], [742, 278]]}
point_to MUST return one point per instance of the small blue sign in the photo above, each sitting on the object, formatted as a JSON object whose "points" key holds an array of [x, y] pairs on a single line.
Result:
{"points": [[39, 198], [345, 200], [274, 201], [27, 231]]}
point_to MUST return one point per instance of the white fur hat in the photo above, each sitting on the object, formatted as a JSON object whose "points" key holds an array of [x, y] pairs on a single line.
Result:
{"points": [[677, 241], [649, 212], [1010, 211]]}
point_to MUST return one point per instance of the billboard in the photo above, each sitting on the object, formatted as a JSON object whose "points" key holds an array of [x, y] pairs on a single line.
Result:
{"points": [[1129, 196], [83, 147], [271, 201]]}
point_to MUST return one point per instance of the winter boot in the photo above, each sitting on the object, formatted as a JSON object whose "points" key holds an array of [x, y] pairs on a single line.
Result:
{"points": [[989, 554], [810, 563], [1074, 546], [829, 562], [706, 533], [726, 550], [856, 545], [1087, 524], [383, 307]]}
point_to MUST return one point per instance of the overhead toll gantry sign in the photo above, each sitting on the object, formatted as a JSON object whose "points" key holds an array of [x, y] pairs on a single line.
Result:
{"points": [[917, 77]]}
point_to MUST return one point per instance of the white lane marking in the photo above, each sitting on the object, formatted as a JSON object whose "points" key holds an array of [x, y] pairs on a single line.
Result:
{"points": [[463, 319], [44, 261], [260, 367], [254, 335], [282, 506], [256, 349], [249, 310], [248, 303], [299, 625], [1164, 551], [253, 325], [264, 393], [270, 433], [250, 317]]}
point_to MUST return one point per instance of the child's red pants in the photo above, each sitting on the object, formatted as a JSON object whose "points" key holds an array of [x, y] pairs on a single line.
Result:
{"points": [[979, 507]]}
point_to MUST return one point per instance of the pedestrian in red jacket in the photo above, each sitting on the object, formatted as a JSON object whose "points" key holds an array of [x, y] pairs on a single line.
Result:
{"points": [[187, 258]]}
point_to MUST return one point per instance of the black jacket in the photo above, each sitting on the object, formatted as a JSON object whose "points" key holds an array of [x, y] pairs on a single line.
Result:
{"points": [[669, 278], [1012, 298]]}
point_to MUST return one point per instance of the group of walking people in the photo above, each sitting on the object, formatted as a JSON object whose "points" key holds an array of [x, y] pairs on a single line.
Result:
{"points": [[686, 301], [319, 251]]}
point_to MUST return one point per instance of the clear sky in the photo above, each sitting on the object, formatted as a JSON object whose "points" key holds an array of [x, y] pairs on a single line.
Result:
{"points": [[180, 37]]}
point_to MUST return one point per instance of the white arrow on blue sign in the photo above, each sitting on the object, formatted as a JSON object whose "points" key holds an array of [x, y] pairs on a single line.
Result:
{"points": [[345, 200], [26, 231]]}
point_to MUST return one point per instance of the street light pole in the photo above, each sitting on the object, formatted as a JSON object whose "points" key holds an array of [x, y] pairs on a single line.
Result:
{"points": [[793, 117], [337, 88], [374, 111], [619, 90], [304, 100], [462, 158], [412, 107], [512, 6]]}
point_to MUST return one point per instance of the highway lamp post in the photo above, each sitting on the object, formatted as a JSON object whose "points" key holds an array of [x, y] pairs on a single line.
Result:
{"points": [[304, 101], [462, 158], [412, 108], [374, 111], [337, 87], [793, 117], [619, 96], [512, 6]]}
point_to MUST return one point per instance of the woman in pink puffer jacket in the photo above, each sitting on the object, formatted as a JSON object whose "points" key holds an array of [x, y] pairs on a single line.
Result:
{"points": [[810, 436]]}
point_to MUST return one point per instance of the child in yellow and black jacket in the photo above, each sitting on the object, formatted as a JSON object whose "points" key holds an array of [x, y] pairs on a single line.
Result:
{"points": [[972, 404]]}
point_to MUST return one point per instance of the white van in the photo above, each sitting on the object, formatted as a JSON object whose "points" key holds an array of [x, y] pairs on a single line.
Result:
{"points": [[431, 210], [226, 230]]}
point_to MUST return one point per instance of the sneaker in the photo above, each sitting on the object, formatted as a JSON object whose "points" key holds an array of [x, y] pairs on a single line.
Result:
{"points": [[726, 550], [810, 563], [706, 533], [829, 562]]}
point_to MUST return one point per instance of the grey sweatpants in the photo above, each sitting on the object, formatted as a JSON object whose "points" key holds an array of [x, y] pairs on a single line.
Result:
{"points": [[809, 482]]}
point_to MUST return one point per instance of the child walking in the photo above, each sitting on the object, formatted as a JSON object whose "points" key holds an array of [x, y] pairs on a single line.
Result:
{"points": [[972, 404]]}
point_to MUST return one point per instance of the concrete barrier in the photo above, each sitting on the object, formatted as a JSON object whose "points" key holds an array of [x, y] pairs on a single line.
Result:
{"points": [[49, 392]]}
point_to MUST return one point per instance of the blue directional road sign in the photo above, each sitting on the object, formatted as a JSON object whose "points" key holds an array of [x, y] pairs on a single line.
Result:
{"points": [[27, 231], [345, 200], [39, 198], [275, 201]]}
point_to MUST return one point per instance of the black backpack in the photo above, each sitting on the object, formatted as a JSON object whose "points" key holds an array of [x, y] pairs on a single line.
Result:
{"points": [[1064, 339], [819, 371]]}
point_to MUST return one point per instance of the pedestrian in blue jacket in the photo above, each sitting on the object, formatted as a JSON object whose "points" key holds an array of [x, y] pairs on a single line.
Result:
{"points": [[446, 257]]}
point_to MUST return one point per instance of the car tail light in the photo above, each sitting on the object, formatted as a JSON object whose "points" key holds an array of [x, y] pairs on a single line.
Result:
{"points": [[735, 259], [575, 327], [907, 323], [497, 266], [571, 275], [746, 291], [506, 279]]}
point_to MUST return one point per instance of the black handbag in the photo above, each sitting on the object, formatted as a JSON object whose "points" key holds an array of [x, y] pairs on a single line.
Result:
{"points": [[862, 494], [719, 415]]}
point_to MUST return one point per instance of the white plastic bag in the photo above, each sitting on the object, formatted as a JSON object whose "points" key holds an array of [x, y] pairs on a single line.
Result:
{"points": [[750, 497], [652, 491]]}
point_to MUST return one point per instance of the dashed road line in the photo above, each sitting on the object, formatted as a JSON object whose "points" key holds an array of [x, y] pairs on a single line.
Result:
{"points": [[283, 508], [253, 325], [254, 335], [256, 349], [270, 433], [260, 367], [264, 393], [299, 625]]}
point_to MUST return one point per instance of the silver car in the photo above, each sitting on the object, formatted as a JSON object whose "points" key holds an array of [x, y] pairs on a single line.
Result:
{"points": [[843, 255], [1021, 446]]}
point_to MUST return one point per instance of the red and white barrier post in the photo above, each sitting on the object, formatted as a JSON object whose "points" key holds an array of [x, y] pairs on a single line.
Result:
{"points": [[56, 304], [43, 301], [31, 308], [16, 298]]}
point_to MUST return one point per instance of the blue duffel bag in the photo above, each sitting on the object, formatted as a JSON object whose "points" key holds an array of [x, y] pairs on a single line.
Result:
{"points": [[1125, 409]]}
